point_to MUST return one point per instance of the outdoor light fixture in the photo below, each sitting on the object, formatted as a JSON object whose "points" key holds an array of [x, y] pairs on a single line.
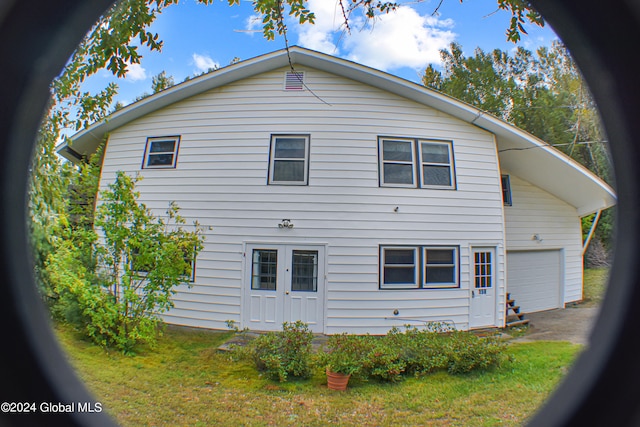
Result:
{"points": [[286, 223], [537, 238]]}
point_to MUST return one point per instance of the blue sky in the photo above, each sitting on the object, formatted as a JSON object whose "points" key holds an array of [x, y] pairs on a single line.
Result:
{"points": [[403, 43]]}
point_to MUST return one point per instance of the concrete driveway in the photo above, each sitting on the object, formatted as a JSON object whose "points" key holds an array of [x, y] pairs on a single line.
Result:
{"points": [[571, 324]]}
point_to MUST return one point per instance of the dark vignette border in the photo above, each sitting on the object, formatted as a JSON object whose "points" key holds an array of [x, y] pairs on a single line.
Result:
{"points": [[37, 36]]}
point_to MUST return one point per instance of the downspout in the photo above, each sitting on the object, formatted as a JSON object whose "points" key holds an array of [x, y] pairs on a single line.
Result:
{"points": [[592, 230]]}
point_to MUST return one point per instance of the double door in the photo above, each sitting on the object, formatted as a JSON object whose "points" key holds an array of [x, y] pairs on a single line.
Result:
{"points": [[284, 283]]}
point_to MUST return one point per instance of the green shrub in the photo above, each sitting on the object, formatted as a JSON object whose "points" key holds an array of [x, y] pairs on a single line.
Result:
{"points": [[422, 349], [345, 354], [114, 288], [468, 352], [284, 354], [412, 351], [385, 360], [439, 347]]}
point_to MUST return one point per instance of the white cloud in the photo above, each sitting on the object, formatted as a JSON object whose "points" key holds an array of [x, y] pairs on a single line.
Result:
{"points": [[328, 22], [253, 23], [403, 38], [135, 72], [204, 63]]}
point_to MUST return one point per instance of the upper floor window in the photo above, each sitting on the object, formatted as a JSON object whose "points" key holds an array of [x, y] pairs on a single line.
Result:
{"points": [[397, 162], [289, 160], [161, 152], [436, 164], [408, 162], [506, 190]]}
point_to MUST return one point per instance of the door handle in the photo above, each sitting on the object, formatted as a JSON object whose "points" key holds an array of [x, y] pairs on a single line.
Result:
{"points": [[287, 292], [473, 294]]}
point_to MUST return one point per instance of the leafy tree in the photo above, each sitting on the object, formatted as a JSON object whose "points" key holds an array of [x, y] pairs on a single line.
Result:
{"points": [[117, 294], [161, 82], [542, 93]]}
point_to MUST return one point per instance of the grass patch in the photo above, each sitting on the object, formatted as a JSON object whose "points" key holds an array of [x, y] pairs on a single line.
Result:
{"points": [[595, 285], [187, 382]]}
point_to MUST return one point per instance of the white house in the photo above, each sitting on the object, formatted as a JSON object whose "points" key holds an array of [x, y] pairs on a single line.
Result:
{"points": [[351, 199]]}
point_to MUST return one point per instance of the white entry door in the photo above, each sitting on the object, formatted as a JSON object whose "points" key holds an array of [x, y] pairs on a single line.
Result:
{"points": [[284, 283], [483, 298]]}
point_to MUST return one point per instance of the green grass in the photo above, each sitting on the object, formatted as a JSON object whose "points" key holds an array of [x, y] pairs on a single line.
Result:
{"points": [[595, 284], [185, 381]]}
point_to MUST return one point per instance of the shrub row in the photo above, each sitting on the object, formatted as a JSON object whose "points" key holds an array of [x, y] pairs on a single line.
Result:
{"points": [[412, 351]]}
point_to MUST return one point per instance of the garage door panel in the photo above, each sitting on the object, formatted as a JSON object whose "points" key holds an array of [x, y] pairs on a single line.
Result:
{"points": [[534, 279]]}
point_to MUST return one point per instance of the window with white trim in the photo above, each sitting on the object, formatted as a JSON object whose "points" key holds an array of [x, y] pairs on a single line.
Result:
{"points": [[399, 267], [419, 267], [289, 160], [440, 267], [161, 152], [407, 162], [436, 164], [397, 165]]}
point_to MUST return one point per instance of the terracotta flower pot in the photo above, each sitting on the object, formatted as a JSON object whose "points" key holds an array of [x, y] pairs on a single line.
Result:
{"points": [[337, 381]]}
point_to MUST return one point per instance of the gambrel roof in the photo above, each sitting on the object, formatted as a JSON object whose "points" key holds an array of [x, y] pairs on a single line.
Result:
{"points": [[519, 152]]}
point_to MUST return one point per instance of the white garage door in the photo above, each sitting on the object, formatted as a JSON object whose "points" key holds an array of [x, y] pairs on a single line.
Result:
{"points": [[534, 279]]}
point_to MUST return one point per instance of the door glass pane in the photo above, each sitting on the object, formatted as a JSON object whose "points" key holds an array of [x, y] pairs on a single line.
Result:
{"points": [[264, 269], [483, 272], [304, 268]]}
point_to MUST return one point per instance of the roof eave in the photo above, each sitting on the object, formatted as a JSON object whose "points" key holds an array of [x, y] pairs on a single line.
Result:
{"points": [[595, 194]]}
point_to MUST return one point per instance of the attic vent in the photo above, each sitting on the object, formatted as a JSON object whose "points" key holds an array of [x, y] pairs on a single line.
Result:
{"points": [[294, 80]]}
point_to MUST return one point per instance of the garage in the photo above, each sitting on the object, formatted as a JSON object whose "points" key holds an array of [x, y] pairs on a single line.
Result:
{"points": [[534, 279]]}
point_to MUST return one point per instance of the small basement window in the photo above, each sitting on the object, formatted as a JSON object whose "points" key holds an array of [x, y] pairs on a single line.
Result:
{"points": [[161, 152]]}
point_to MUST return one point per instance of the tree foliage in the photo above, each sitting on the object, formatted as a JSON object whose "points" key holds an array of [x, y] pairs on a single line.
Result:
{"points": [[114, 287], [542, 93]]}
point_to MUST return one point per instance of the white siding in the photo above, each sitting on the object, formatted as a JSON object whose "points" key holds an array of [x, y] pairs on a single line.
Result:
{"points": [[221, 181], [534, 279], [535, 211]]}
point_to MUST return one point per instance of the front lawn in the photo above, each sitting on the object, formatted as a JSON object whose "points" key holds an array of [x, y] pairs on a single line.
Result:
{"points": [[187, 382]]}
